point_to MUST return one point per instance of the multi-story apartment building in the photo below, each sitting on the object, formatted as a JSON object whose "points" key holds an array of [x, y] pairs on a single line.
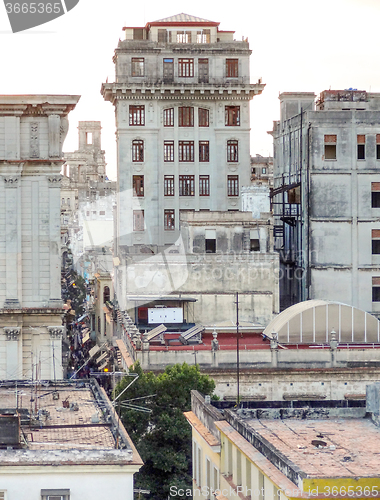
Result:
{"points": [[326, 197], [181, 99]]}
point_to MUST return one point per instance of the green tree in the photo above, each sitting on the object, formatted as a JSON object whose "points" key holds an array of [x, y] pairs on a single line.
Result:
{"points": [[163, 436]]}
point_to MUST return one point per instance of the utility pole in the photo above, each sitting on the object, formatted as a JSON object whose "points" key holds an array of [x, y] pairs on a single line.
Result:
{"points": [[237, 350]]}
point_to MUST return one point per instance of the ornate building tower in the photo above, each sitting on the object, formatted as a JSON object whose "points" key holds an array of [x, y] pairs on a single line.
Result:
{"points": [[32, 131]]}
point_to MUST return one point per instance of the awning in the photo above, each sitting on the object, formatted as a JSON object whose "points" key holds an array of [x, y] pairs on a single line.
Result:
{"points": [[85, 338], [84, 316], [165, 298], [94, 350], [102, 357]]}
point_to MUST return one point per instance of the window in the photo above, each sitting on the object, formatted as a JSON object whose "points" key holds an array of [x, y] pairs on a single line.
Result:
{"points": [[376, 289], [186, 117], [210, 241], [238, 468], [377, 146], [168, 150], [186, 150], [232, 68], [137, 115], [254, 245], [88, 137], [102, 212], [233, 185], [168, 69], [203, 36], [138, 185], [169, 221], [361, 147], [169, 117], [215, 478], [203, 117], [185, 67], [186, 185], [210, 246], [330, 147], [375, 241], [137, 150], [106, 294], [204, 185], [208, 478], [232, 151], [183, 36], [204, 151], [375, 194], [137, 66], [229, 458], [232, 118], [248, 474], [169, 185], [164, 36], [261, 486], [55, 494], [199, 471], [264, 170], [202, 70], [138, 220]]}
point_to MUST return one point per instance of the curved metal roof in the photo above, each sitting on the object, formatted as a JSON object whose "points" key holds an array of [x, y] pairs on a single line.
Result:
{"points": [[312, 321]]}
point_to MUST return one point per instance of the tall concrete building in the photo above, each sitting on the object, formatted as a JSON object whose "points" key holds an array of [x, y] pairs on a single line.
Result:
{"points": [[181, 97], [181, 100], [327, 197], [32, 131]]}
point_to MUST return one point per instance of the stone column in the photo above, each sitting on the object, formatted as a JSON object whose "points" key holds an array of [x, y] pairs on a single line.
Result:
{"points": [[54, 182], [274, 350], [333, 348], [12, 242], [13, 353]]}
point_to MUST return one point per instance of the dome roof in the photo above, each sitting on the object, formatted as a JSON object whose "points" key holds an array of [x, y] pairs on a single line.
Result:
{"points": [[312, 321]]}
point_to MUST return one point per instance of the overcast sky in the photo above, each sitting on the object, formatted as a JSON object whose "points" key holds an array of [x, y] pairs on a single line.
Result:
{"points": [[297, 45]]}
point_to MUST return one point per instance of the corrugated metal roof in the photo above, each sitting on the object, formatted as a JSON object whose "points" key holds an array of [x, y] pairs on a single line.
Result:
{"points": [[183, 18]]}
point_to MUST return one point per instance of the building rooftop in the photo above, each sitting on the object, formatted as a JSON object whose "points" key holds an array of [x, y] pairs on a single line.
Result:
{"points": [[74, 423], [324, 448], [183, 18]]}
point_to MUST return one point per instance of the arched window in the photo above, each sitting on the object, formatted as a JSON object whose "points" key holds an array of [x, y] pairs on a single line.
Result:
{"points": [[106, 294]]}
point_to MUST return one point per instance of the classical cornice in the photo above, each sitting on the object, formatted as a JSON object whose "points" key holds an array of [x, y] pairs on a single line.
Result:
{"points": [[122, 91], [37, 105]]}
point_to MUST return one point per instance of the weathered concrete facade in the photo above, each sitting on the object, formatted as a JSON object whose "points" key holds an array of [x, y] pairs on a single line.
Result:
{"points": [[326, 159], [178, 103], [182, 115], [32, 131]]}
